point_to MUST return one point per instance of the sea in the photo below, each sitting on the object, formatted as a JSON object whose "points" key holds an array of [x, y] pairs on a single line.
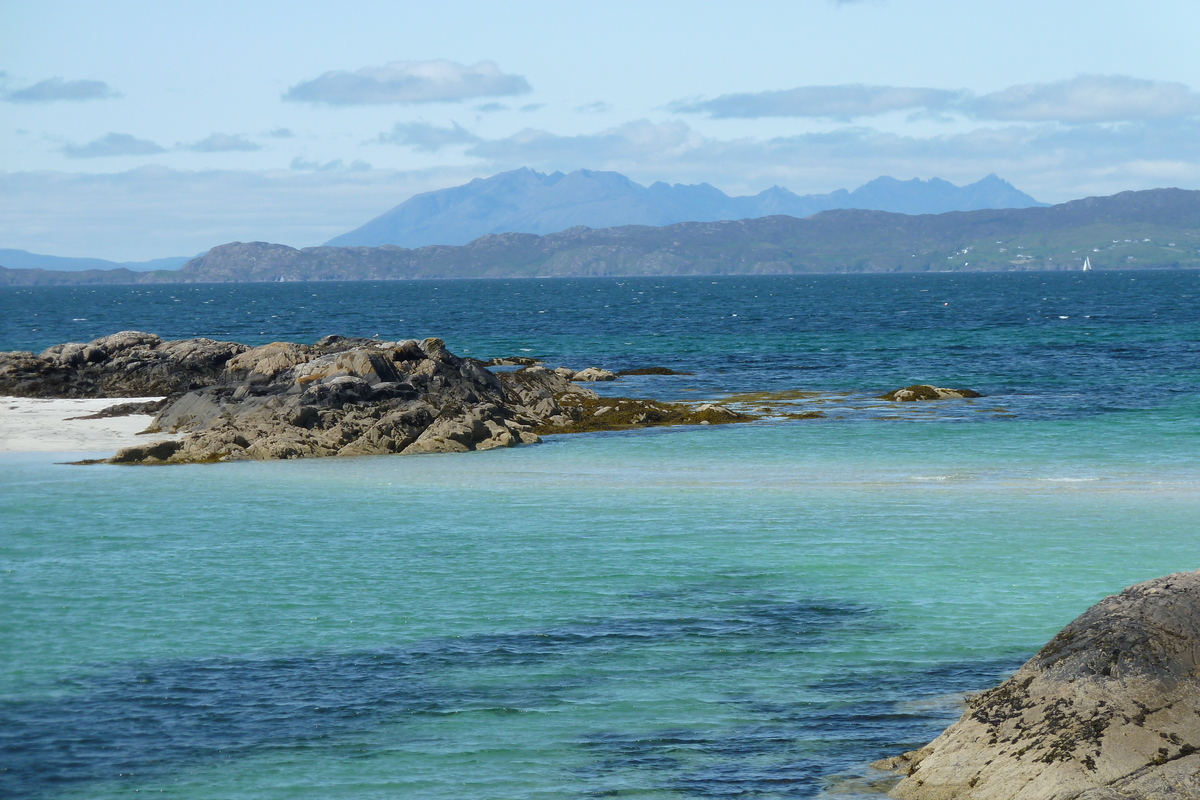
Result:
{"points": [[753, 611]]}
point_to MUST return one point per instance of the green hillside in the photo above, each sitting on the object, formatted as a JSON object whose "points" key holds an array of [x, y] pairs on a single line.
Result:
{"points": [[1156, 229]]}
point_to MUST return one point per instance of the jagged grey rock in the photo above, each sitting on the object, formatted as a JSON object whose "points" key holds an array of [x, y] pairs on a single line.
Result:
{"points": [[1109, 709], [344, 396], [923, 391], [591, 374], [125, 364]]}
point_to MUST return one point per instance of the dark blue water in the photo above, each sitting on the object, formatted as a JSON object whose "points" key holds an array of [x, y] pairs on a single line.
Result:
{"points": [[735, 611], [1133, 338]]}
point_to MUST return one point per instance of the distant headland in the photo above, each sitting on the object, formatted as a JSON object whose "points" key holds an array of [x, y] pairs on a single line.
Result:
{"points": [[1153, 229]]}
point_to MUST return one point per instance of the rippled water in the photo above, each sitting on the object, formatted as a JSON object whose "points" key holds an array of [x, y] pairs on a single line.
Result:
{"points": [[749, 611]]}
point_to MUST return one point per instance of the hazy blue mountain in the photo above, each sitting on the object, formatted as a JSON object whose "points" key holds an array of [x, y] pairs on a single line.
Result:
{"points": [[23, 259], [1153, 229], [526, 201]]}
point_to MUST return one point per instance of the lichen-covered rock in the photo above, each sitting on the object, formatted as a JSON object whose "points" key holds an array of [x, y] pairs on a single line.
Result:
{"points": [[339, 397], [265, 363], [923, 391], [513, 361], [1109, 709], [717, 410], [592, 374], [578, 413]]}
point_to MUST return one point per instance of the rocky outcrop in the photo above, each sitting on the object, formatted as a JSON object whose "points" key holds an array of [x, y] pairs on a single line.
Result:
{"points": [[125, 364], [591, 374], [584, 413], [337, 396], [1109, 709], [344, 396], [513, 361], [923, 391]]}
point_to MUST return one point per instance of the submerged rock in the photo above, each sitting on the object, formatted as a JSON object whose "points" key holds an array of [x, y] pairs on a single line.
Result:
{"points": [[650, 371], [1109, 709], [923, 391]]}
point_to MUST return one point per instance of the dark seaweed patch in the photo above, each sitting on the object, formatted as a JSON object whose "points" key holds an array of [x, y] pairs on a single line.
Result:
{"points": [[144, 719]]}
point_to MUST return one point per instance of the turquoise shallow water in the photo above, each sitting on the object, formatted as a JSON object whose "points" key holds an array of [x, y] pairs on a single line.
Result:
{"points": [[740, 611]]}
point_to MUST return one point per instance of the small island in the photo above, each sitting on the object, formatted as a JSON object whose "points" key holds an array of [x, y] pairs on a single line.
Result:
{"points": [[344, 396], [339, 396]]}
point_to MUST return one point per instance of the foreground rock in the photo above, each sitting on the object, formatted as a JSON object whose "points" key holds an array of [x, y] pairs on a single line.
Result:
{"points": [[1109, 709], [923, 391], [339, 396]]}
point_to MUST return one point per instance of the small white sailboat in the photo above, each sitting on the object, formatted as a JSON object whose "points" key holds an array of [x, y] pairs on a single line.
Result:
{"points": [[1087, 264]]}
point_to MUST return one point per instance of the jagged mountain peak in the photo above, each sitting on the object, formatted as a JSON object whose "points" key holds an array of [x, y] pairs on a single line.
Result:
{"points": [[527, 201]]}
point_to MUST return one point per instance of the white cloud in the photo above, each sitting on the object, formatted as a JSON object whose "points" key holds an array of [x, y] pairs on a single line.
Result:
{"points": [[427, 138], [1088, 98], [155, 211], [223, 143], [406, 82], [112, 144], [1047, 161], [598, 107], [630, 141], [54, 89], [843, 102], [1080, 100], [337, 165]]}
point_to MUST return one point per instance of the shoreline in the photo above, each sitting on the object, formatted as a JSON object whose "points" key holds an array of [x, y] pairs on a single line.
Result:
{"points": [[36, 425], [52, 279]]}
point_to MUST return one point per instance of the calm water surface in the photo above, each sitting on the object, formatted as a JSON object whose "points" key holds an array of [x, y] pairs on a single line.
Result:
{"points": [[742, 611]]}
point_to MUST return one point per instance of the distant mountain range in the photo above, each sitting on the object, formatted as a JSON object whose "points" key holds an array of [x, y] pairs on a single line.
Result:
{"points": [[1156, 229], [525, 201], [22, 259]]}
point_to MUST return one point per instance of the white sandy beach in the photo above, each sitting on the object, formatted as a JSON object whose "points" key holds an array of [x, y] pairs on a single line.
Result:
{"points": [[45, 426]]}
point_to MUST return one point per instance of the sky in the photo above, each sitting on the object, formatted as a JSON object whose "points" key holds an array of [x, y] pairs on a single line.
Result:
{"points": [[137, 130]]}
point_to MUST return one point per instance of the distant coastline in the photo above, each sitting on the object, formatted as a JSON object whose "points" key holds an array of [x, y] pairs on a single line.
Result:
{"points": [[1154, 229]]}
